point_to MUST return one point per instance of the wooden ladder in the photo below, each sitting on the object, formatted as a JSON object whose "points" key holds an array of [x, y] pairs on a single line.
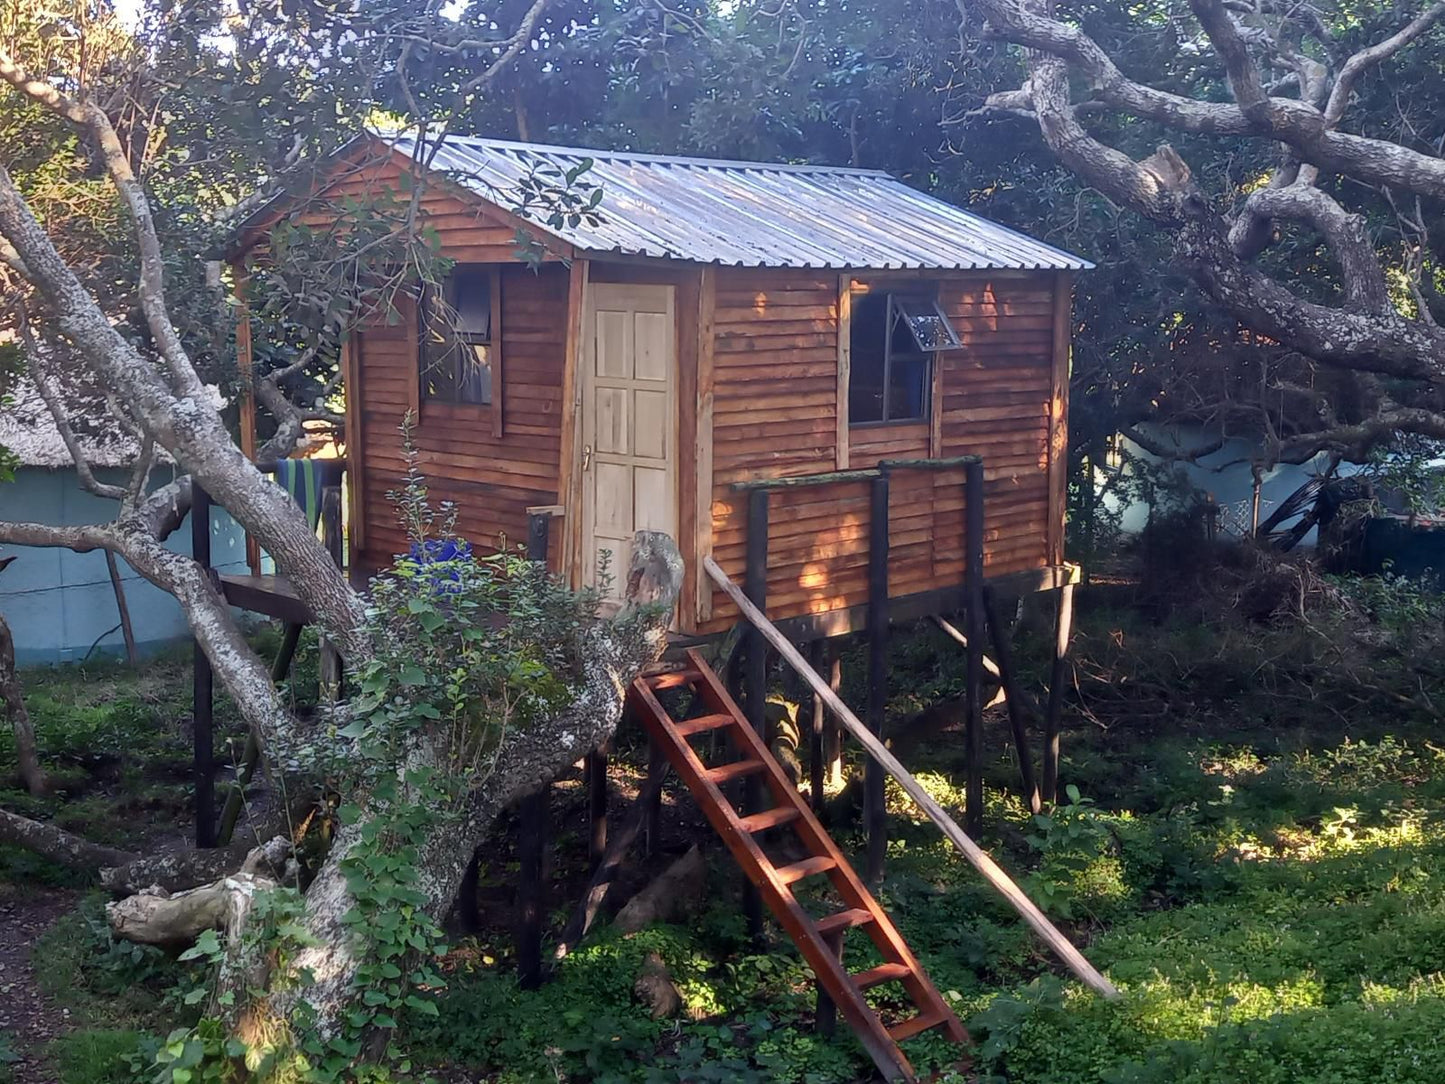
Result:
{"points": [[819, 940]]}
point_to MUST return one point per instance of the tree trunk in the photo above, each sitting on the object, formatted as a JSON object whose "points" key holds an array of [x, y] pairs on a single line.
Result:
{"points": [[528, 759], [31, 774]]}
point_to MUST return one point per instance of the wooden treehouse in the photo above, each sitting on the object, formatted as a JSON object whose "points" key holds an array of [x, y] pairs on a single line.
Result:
{"points": [[846, 400]]}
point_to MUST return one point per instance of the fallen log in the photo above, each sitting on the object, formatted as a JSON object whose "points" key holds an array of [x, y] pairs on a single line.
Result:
{"points": [[175, 871], [59, 845]]}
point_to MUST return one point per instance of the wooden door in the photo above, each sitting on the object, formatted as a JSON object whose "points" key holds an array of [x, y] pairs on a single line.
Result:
{"points": [[629, 425]]}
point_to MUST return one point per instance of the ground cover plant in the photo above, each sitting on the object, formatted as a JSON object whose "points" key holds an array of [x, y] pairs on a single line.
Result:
{"points": [[1250, 846]]}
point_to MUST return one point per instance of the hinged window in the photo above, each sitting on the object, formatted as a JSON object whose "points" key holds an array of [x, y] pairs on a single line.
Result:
{"points": [[892, 342], [459, 338]]}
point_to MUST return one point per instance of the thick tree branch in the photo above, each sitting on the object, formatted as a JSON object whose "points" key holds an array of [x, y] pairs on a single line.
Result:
{"points": [[1364, 279], [1366, 58]]}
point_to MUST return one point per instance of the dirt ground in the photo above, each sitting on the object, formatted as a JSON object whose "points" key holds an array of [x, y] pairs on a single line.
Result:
{"points": [[25, 1016]]}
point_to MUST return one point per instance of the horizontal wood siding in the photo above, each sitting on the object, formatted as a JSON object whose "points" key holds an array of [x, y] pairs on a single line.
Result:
{"points": [[775, 390], [491, 481]]}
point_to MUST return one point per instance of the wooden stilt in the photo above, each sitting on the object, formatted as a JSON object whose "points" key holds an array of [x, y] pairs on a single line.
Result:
{"points": [[595, 769], [203, 687], [531, 903], [652, 813], [1058, 675], [1016, 717], [875, 812], [331, 664], [755, 675], [973, 631], [817, 756], [648, 798]]}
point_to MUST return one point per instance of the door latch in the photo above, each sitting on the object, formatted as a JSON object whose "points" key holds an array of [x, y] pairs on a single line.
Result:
{"points": [[586, 457]]}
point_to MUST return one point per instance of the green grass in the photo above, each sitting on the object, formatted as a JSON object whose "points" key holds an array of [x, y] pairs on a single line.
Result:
{"points": [[1256, 858]]}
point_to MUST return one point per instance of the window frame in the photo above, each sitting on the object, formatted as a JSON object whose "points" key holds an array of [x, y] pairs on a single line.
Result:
{"points": [[492, 340], [923, 297]]}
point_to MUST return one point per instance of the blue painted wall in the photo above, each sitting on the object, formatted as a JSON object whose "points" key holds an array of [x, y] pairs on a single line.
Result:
{"points": [[1227, 475], [59, 603]]}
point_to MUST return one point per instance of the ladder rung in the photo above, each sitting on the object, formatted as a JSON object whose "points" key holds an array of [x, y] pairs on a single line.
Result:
{"points": [[769, 818], [671, 679], [806, 868], [726, 773], [844, 920], [917, 1025], [702, 724], [877, 976]]}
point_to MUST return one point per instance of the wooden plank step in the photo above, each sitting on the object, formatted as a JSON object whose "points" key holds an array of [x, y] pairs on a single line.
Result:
{"points": [[877, 976], [917, 1025], [726, 773], [770, 818], [702, 724], [671, 679], [844, 920], [808, 867]]}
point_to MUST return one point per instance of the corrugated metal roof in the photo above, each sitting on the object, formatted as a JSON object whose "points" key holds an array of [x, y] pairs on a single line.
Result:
{"points": [[748, 214]]}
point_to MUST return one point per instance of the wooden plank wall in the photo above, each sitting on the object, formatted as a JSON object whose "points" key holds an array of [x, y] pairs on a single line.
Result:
{"points": [[493, 481], [775, 390]]}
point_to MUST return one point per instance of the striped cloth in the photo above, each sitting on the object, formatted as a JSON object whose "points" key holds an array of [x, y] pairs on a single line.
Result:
{"points": [[304, 479]]}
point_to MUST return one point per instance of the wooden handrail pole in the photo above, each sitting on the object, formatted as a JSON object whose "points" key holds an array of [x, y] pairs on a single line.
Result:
{"points": [[875, 812], [973, 630], [980, 861]]}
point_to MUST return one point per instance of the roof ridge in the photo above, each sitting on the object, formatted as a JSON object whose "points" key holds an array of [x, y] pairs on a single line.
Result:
{"points": [[639, 156]]}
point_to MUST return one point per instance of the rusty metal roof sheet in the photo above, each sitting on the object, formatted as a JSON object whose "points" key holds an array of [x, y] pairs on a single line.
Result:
{"points": [[747, 214]]}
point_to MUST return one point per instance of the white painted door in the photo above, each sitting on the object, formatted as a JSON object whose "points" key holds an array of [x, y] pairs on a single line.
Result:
{"points": [[629, 425]]}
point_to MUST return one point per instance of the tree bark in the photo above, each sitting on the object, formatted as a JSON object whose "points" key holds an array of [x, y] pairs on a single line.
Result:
{"points": [[616, 652], [57, 844]]}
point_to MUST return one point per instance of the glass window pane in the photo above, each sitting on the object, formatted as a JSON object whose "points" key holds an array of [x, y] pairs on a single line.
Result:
{"points": [[908, 380], [475, 381], [927, 324], [471, 296], [867, 340], [438, 353]]}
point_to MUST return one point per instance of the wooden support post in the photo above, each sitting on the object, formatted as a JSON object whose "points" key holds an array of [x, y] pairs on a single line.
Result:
{"points": [[532, 839], [331, 664], [973, 631], [231, 813], [595, 769], [203, 687], [647, 800], [1016, 718], [656, 768], [875, 812], [817, 753], [755, 674], [1058, 675], [531, 843]]}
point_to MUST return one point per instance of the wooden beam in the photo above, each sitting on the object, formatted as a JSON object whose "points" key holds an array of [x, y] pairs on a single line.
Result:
{"points": [[1063, 628], [1058, 450], [973, 630], [976, 856], [245, 367], [569, 485], [706, 339], [497, 358], [875, 812], [845, 365], [351, 348]]}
